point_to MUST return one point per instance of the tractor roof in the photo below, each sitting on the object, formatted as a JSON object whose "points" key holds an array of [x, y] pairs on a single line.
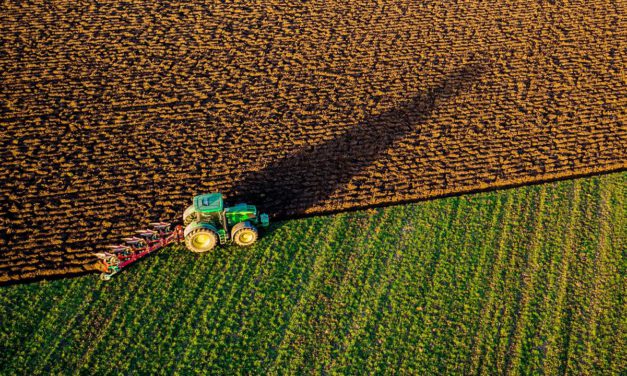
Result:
{"points": [[208, 203]]}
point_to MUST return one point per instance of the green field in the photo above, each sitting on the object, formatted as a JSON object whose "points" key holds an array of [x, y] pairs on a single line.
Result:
{"points": [[527, 280]]}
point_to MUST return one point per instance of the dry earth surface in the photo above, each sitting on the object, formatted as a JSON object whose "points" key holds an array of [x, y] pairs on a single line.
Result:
{"points": [[114, 114]]}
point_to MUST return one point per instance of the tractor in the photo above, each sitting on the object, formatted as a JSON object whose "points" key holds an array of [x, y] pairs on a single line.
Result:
{"points": [[207, 223]]}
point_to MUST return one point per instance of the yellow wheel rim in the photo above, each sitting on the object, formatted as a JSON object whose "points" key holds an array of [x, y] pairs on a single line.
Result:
{"points": [[246, 237], [202, 241]]}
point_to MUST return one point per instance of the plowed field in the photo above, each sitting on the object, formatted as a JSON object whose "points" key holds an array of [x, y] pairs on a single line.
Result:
{"points": [[115, 114]]}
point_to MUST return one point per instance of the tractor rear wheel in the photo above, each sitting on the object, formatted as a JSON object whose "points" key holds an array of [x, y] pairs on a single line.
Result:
{"points": [[201, 240], [189, 215], [244, 234]]}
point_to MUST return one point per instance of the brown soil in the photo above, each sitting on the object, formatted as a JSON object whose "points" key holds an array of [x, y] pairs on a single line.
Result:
{"points": [[115, 115]]}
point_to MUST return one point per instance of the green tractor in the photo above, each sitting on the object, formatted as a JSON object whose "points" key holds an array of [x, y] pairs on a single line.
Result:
{"points": [[207, 223]]}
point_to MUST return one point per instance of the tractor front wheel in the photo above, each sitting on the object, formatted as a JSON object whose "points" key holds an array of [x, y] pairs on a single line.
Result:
{"points": [[244, 234], [201, 240]]}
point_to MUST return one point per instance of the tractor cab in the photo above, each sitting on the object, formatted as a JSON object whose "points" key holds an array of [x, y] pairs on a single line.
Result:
{"points": [[209, 208]]}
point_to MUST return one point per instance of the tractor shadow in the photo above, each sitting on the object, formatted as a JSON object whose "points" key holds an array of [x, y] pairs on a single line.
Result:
{"points": [[310, 176]]}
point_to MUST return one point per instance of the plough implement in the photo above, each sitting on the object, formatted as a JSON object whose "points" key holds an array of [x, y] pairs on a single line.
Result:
{"points": [[207, 224], [149, 241]]}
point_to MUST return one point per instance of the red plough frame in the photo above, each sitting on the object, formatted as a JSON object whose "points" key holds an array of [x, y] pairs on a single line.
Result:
{"points": [[137, 247]]}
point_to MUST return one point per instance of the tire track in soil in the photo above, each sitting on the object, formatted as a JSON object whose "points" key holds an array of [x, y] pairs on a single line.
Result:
{"points": [[404, 325], [579, 295], [298, 312], [598, 296], [600, 274], [229, 300], [533, 338], [81, 314], [477, 357], [51, 316], [33, 294], [436, 273], [511, 286], [528, 278], [366, 325], [322, 344], [299, 328], [559, 319], [496, 217], [339, 307]]}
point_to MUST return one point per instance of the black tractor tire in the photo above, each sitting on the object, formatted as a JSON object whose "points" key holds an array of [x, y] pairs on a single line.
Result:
{"points": [[244, 234], [189, 215], [201, 240]]}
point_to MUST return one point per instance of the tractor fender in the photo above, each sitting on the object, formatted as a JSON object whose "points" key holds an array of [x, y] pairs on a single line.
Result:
{"points": [[194, 225], [188, 212]]}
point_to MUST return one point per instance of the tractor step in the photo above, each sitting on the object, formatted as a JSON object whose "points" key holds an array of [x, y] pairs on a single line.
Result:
{"points": [[222, 236]]}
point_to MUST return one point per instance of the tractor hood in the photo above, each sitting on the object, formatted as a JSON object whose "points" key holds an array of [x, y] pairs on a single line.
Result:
{"points": [[240, 212]]}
